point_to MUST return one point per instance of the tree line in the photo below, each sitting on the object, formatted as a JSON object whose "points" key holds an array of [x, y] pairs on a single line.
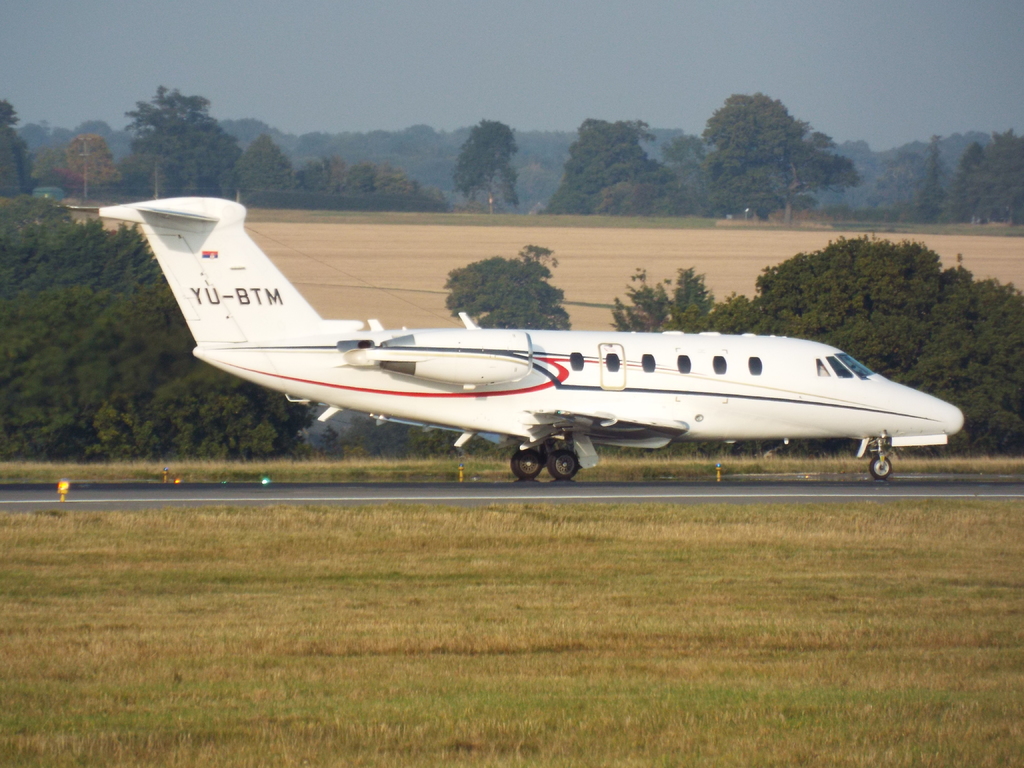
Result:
{"points": [[618, 168], [177, 149]]}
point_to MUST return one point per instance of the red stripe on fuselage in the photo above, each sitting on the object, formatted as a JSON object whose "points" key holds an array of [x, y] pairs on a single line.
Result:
{"points": [[563, 374]]}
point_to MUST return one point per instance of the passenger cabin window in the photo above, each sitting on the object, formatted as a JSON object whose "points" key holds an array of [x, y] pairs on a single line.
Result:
{"points": [[576, 361], [822, 370], [754, 364], [683, 362], [612, 361], [647, 361], [719, 364], [841, 370]]}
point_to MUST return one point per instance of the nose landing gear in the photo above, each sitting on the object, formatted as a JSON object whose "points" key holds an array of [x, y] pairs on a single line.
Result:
{"points": [[880, 465]]}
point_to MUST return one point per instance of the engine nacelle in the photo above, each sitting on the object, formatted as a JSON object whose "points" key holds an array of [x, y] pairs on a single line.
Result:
{"points": [[477, 357]]}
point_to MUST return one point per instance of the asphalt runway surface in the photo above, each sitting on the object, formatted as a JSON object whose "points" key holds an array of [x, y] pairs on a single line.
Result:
{"points": [[123, 496]]}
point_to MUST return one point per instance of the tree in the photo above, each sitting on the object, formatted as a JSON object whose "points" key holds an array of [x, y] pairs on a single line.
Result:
{"points": [[264, 166], [182, 147], [893, 306], [609, 172], [651, 309], [509, 293], [15, 168], [684, 156], [989, 182], [963, 199], [41, 248], [485, 163], [931, 196], [1001, 179], [766, 160], [87, 374], [89, 158]]}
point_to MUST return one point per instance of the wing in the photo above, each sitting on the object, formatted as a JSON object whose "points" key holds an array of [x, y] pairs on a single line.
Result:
{"points": [[647, 431]]}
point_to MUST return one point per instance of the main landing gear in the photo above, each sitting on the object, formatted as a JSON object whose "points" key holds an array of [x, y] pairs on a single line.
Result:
{"points": [[880, 465], [561, 463]]}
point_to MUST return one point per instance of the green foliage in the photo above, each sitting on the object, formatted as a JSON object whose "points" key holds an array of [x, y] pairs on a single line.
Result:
{"points": [[41, 249], [485, 164], [509, 293], [989, 183], [651, 309], [893, 306], [329, 184], [765, 160], [931, 196], [87, 373], [685, 156], [264, 166], [179, 147], [609, 172], [962, 200], [15, 168]]}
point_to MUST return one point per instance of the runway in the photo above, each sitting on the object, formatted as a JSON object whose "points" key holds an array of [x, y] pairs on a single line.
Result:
{"points": [[125, 496]]}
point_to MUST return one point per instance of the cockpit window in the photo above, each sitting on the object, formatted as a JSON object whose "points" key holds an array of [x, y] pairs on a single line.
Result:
{"points": [[576, 361], [859, 368], [841, 370], [822, 370]]}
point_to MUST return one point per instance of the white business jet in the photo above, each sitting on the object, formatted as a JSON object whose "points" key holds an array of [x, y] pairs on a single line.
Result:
{"points": [[554, 394]]}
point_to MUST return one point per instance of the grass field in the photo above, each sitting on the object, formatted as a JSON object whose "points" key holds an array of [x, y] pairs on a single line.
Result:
{"points": [[393, 266], [614, 468], [857, 635]]}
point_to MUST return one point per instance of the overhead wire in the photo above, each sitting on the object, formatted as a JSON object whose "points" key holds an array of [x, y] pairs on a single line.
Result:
{"points": [[349, 275]]}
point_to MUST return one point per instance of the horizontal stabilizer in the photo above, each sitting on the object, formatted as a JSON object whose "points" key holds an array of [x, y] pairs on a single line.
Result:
{"points": [[227, 288]]}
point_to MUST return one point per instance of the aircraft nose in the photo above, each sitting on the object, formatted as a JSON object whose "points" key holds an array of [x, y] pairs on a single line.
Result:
{"points": [[952, 419]]}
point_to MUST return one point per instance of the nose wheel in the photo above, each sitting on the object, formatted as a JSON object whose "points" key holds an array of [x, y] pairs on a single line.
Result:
{"points": [[880, 467]]}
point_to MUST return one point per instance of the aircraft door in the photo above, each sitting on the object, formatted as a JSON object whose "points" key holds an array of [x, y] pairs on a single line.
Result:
{"points": [[613, 366]]}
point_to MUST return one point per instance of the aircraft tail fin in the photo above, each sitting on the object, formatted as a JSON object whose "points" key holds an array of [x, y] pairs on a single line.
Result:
{"points": [[227, 288]]}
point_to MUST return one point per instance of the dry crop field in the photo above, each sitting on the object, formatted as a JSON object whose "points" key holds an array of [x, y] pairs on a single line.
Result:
{"points": [[822, 635], [393, 268]]}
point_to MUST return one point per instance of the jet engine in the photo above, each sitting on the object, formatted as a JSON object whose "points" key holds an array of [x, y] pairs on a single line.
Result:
{"points": [[465, 357]]}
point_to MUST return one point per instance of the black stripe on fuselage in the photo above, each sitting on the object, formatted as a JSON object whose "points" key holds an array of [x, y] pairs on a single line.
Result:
{"points": [[541, 357]]}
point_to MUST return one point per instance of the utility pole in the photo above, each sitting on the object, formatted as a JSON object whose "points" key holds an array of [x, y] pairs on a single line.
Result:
{"points": [[85, 169]]}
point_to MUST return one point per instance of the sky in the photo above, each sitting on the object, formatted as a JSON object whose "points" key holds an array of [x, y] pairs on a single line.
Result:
{"points": [[883, 71]]}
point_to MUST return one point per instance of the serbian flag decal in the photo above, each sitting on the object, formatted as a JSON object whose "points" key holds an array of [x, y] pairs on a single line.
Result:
{"points": [[209, 254]]}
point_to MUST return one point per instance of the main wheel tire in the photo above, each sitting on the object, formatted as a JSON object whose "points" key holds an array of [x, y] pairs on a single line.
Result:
{"points": [[526, 465], [880, 468], [563, 464]]}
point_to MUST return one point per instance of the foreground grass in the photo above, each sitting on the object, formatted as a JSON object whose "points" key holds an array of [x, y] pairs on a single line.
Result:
{"points": [[642, 466], [514, 635]]}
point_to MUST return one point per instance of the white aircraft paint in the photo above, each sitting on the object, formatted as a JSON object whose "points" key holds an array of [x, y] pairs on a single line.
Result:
{"points": [[533, 388]]}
